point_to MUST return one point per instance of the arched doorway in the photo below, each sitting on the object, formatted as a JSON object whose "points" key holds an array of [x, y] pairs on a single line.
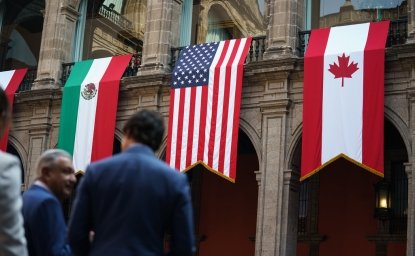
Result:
{"points": [[225, 212], [336, 206]]}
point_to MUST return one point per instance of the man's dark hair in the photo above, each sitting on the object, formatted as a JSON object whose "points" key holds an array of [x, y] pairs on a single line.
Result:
{"points": [[145, 127], [4, 104]]}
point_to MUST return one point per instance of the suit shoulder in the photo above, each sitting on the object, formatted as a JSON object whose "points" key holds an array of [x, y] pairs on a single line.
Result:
{"points": [[6, 158], [39, 193]]}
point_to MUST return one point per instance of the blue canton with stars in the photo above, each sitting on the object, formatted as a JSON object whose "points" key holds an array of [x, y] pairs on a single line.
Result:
{"points": [[192, 68]]}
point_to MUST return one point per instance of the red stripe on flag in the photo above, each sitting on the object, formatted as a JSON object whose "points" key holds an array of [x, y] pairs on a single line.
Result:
{"points": [[180, 128], [373, 96], [225, 111], [202, 129], [106, 112], [215, 96], [237, 108], [170, 128], [313, 101], [191, 126], [10, 90]]}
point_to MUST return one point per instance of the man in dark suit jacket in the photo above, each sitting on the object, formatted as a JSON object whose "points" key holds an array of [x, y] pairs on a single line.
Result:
{"points": [[130, 200], [44, 222]]}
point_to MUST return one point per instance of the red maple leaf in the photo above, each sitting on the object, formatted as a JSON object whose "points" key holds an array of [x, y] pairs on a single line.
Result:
{"points": [[343, 70]]}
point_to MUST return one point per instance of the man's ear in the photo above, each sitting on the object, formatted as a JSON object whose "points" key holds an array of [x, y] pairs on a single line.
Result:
{"points": [[46, 172]]}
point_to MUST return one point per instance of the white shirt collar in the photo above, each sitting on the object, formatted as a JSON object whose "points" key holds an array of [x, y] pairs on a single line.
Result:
{"points": [[41, 184]]}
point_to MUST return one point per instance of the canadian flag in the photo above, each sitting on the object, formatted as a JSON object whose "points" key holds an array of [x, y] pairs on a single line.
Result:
{"points": [[9, 82], [344, 97]]}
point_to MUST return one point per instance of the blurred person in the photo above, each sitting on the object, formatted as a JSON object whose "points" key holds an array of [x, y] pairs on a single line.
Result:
{"points": [[130, 201], [44, 221], [12, 239]]}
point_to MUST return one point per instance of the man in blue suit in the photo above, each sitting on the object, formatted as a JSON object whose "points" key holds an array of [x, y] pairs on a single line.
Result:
{"points": [[130, 201], [44, 223]]}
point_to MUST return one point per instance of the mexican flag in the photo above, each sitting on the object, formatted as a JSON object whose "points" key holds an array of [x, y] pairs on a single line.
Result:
{"points": [[9, 82], [343, 97], [89, 108]]}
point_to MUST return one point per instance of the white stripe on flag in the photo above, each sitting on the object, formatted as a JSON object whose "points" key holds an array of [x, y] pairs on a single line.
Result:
{"points": [[5, 78], [210, 101], [185, 129], [174, 128], [86, 116], [196, 127], [231, 110], [343, 106], [221, 94]]}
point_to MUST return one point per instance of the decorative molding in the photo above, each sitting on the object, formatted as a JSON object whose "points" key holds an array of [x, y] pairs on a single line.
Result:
{"points": [[70, 12]]}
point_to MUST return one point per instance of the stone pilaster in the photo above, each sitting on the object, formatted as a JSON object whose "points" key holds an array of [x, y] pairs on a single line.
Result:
{"points": [[161, 33], [38, 141], [38, 125], [57, 36], [410, 239], [409, 168], [282, 28], [260, 213], [276, 231]]}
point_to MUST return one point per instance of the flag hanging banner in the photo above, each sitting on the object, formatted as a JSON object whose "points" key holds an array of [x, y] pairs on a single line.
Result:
{"points": [[344, 97], [205, 99], [89, 108], [9, 82]]}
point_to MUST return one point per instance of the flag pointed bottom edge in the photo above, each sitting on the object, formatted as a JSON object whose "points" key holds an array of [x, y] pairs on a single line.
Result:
{"points": [[349, 159], [209, 169]]}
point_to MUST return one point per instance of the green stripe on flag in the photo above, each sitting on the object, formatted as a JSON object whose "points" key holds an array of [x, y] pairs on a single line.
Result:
{"points": [[70, 102]]}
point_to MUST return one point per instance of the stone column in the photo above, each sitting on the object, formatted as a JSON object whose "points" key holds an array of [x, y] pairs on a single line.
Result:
{"points": [[410, 239], [40, 125], [260, 213], [282, 28], [276, 230], [409, 168], [161, 33], [57, 36]]}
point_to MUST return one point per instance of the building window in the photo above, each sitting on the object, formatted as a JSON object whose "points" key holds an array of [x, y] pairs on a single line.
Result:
{"points": [[112, 27], [21, 25], [328, 13], [220, 20]]}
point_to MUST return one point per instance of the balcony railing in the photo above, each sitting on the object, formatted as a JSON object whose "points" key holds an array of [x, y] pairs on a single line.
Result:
{"points": [[397, 35], [115, 17], [131, 70], [256, 51], [28, 80]]}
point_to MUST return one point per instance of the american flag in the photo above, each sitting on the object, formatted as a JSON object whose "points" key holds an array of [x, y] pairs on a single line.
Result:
{"points": [[205, 100]]}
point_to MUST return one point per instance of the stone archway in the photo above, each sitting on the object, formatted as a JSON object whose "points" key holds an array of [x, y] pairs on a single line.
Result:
{"points": [[225, 213], [350, 189]]}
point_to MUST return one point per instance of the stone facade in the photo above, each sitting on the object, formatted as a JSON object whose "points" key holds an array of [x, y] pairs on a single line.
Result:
{"points": [[271, 112]]}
